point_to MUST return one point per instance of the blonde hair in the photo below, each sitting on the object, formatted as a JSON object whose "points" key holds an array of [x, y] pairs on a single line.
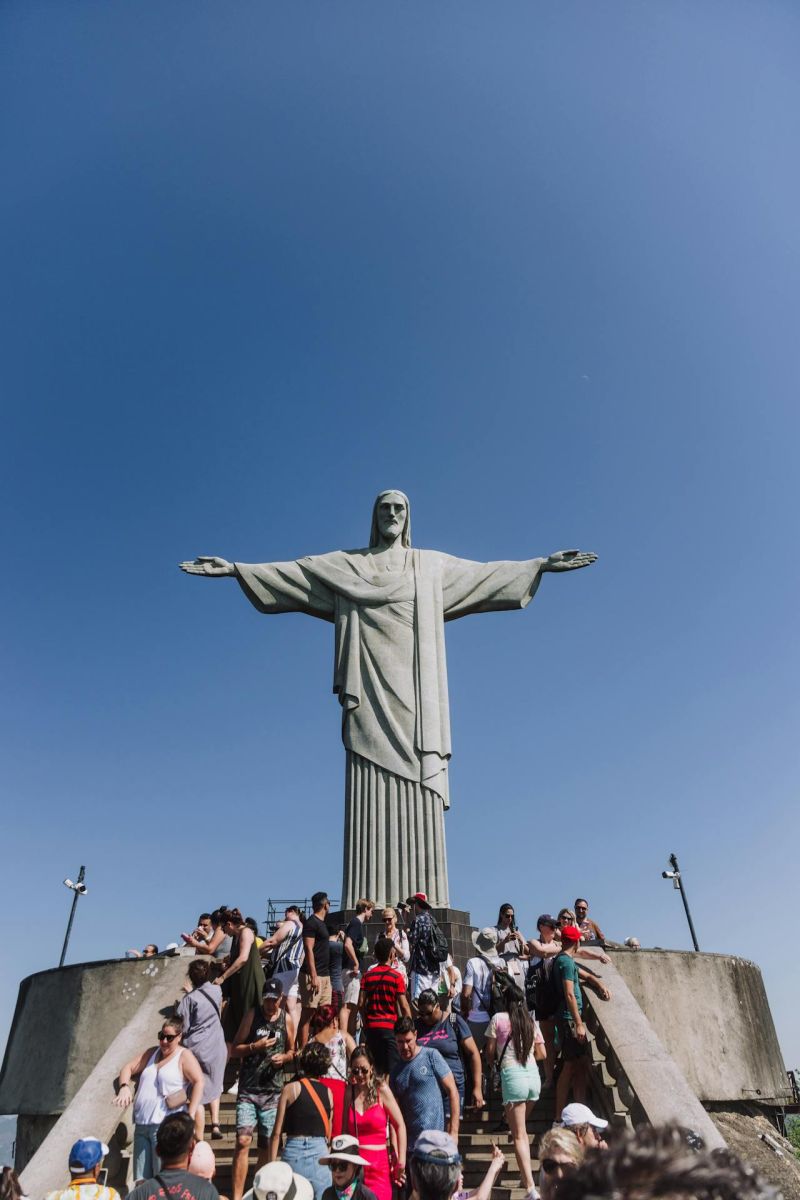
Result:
{"points": [[563, 1140]]}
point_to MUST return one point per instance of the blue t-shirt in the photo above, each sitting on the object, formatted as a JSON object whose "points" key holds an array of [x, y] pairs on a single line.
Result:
{"points": [[416, 1088], [446, 1038]]}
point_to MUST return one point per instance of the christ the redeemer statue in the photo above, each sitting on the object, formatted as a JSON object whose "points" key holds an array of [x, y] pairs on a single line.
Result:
{"points": [[388, 604]]}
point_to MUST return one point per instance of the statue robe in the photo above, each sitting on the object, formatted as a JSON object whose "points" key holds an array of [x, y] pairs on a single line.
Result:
{"points": [[390, 675]]}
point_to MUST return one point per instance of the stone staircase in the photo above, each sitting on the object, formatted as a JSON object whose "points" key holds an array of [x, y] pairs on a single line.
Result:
{"points": [[479, 1131]]}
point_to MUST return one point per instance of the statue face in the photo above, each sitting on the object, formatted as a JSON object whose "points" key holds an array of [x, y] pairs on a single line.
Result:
{"points": [[391, 515]]}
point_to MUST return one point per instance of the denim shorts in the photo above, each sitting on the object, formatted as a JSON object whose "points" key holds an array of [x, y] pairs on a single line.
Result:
{"points": [[249, 1115], [303, 1155], [520, 1084]]}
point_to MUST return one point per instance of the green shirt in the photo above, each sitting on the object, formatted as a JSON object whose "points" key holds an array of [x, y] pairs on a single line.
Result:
{"points": [[565, 968]]}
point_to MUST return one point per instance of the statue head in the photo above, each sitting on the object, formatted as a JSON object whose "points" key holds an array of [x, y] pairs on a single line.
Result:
{"points": [[390, 511]]}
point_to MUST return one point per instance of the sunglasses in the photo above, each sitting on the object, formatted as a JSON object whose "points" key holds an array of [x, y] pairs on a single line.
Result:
{"points": [[550, 1165], [340, 1166], [359, 1070], [166, 1037]]}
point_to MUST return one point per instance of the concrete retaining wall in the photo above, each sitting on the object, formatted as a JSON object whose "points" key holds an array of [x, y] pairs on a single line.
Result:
{"points": [[711, 1013], [64, 1022]]}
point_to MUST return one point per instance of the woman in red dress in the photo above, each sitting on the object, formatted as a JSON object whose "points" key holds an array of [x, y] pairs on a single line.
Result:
{"points": [[372, 1114]]}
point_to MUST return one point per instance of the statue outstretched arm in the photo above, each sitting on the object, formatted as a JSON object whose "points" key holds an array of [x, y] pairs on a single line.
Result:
{"points": [[568, 560], [271, 587], [208, 565]]}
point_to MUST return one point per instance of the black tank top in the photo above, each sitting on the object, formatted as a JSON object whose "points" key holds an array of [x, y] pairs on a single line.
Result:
{"points": [[303, 1118]]}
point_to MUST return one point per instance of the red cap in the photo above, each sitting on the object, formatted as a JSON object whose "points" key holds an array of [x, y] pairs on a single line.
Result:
{"points": [[421, 898], [570, 933]]}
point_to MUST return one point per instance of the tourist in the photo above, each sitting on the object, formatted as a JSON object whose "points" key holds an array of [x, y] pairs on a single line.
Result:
{"points": [[483, 1191], [450, 1036], [85, 1164], [265, 1042], [283, 954], [175, 1145], [567, 916], [150, 951], [449, 985], [542, 991], [399, 939], [356, 952], [305, 1109], [242, 981], [169, 1080], [590, 930], [420, 1081], [423, 966], [325, 1029], [649, 1162], [572, 1034], [511, 945], [434, 1165], [476, 997], [560, 1154], [219, 944], [202, 935], [370, 1109], [383, 999], [511, 1042], [277, 1181], [347, 1169], [204, 1163], [315, 978], [581, 1121], [202, 1034], [336, 960]]}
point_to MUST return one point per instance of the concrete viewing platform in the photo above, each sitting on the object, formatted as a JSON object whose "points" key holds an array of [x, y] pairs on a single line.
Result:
{"points": [[683, 1034]]}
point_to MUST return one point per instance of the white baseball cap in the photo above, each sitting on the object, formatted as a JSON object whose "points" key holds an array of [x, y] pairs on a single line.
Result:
{"points": [[277, 1181], [579, 1114]]}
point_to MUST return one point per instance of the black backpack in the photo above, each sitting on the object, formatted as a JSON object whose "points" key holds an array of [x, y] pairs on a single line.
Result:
{"points": [[541, 989], [437, 949], [502, 988]]}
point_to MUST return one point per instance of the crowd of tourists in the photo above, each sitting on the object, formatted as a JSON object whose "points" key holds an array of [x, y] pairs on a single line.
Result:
{"points": [[354, 1059]]}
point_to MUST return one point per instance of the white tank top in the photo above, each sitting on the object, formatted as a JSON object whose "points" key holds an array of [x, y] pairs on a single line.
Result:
{"points": [[154, 1084]]}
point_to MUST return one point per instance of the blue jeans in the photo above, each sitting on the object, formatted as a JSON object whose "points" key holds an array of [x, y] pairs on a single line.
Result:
{"points": [[145, 1158], [302, 1155]]}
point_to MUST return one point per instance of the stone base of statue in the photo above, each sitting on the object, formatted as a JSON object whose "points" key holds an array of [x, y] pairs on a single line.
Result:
{"points": [[454, 923]]}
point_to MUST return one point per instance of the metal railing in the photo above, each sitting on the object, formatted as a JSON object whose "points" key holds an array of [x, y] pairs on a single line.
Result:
{"points": [[277, 908]]}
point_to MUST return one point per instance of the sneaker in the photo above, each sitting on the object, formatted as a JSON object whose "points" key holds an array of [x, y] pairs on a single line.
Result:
{"points": [[233, 1090]]}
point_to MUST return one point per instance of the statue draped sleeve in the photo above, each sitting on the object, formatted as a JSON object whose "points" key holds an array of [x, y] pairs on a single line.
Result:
{"points": [[475, 587], [286, 587]]}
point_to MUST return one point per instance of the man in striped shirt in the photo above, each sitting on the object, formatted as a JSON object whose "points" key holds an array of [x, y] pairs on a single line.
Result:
{"points": [[382, 1000]]}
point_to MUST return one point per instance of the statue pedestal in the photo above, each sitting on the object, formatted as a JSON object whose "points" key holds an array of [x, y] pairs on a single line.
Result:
{"points": [[454, 923]]}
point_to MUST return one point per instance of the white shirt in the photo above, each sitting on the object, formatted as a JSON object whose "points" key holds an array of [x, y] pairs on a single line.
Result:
{"points": [[478, 976]]}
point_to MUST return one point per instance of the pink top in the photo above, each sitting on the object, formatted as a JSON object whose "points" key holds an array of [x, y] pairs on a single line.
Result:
{"points": [[500, 1028]]}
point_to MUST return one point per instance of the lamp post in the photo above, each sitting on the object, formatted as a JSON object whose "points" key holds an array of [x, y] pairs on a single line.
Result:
{"points": [[79, 888], [677, 883]]}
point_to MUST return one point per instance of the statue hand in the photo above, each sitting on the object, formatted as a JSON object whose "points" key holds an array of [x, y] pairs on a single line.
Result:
{"points": [[568, 560], [208, 566]]}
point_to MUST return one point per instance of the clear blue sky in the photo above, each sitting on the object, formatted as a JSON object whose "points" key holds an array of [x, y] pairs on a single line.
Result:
{"points": [[535, 264]]}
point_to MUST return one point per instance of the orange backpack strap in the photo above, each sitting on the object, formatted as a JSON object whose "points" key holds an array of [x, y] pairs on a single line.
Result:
{"points": [[326, 1121]]}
